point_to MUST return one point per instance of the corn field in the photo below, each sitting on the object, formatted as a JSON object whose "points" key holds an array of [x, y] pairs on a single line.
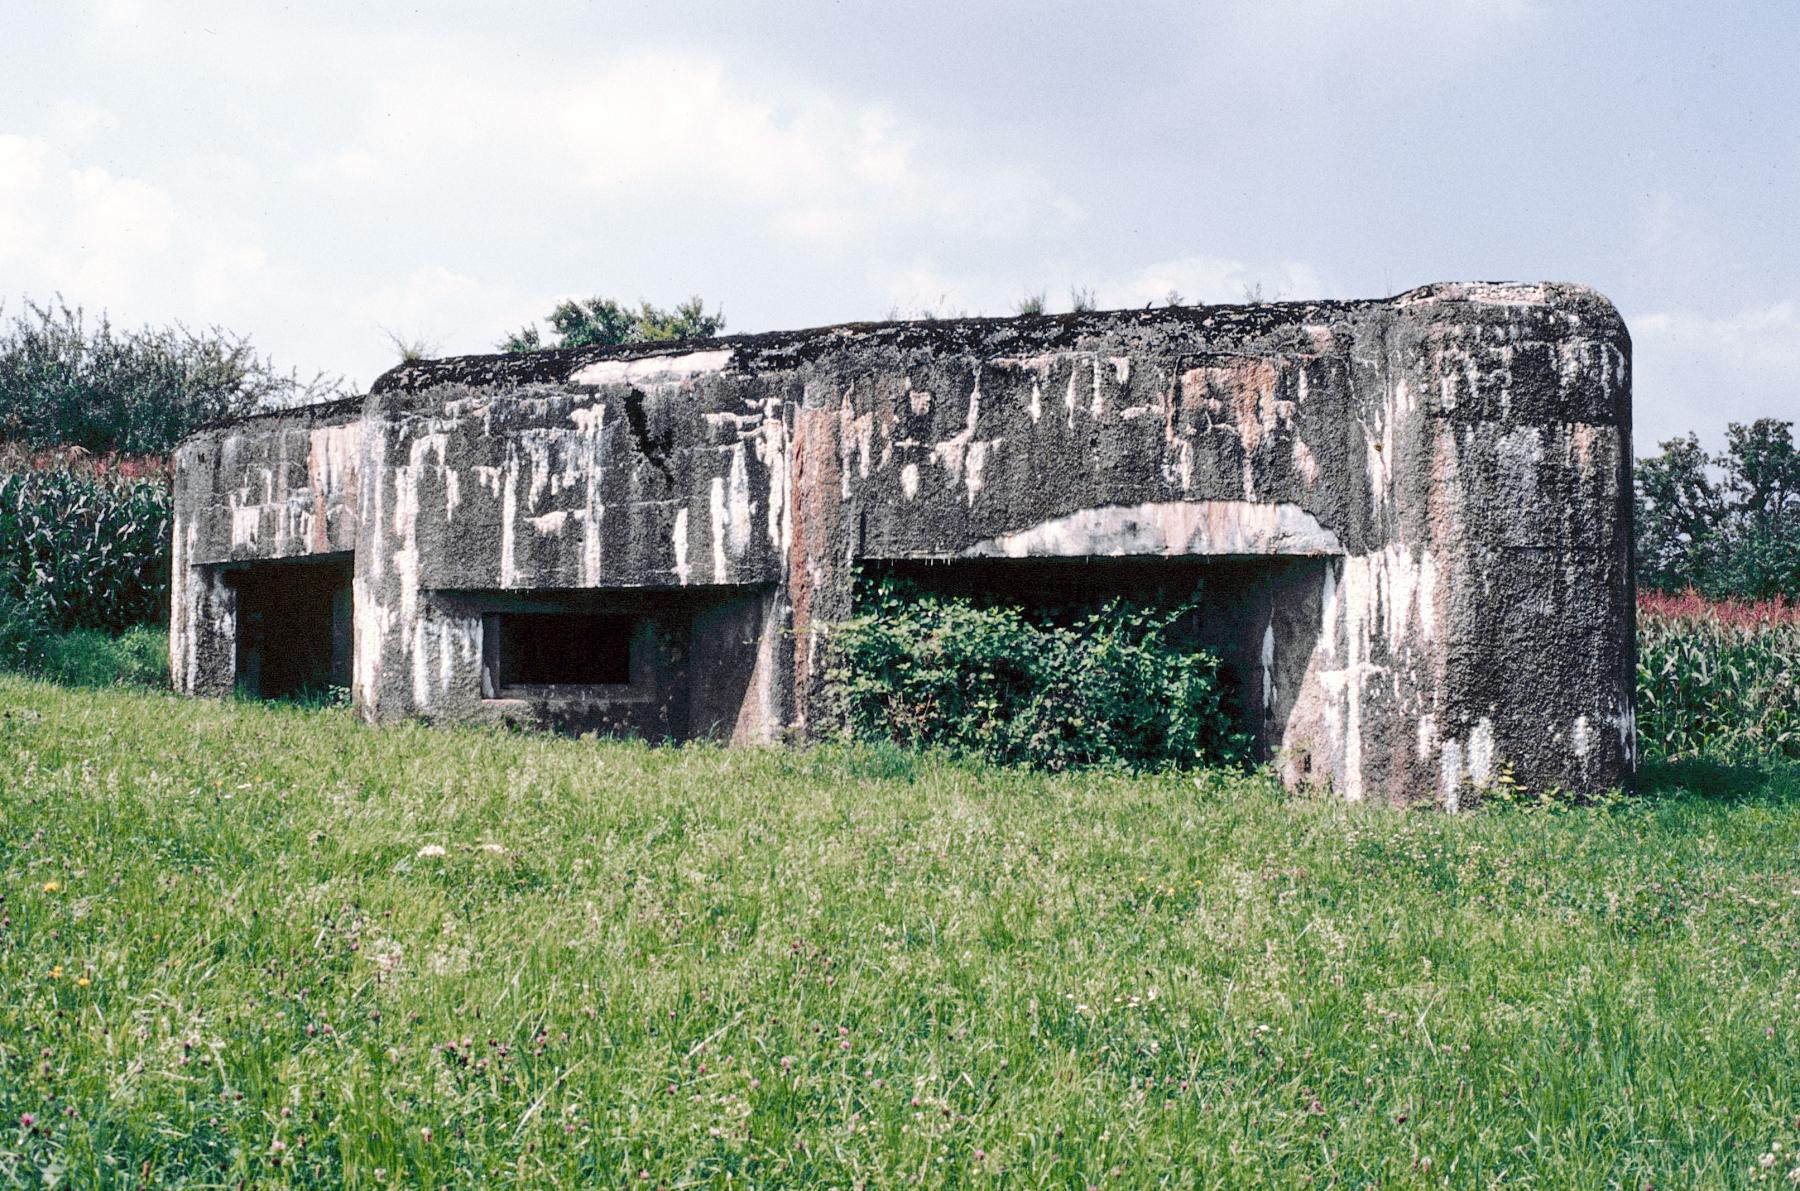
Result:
{"points": [[1718, 678], [84, 547]]}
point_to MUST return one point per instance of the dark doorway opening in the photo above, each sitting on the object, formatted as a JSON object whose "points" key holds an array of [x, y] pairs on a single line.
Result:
{"points": [[293, 626]]}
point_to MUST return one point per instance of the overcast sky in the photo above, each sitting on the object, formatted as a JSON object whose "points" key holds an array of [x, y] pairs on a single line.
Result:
{"points": [[319, 174]]}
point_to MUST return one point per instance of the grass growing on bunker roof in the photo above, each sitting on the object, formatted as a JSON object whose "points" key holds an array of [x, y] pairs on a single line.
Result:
{"points": [[255, 945]]}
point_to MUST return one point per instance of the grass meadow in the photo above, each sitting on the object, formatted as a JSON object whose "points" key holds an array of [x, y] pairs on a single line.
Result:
{"points": [[253, 945]]}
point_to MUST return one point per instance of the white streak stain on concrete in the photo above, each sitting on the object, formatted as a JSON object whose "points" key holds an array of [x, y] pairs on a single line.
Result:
{"points": [[1626, 724], [334, 451], [537, 452], [720, 518], [590, 424], [1168, 529], [680, 545], [738, 507], [1368, 616], [975, 465], [772, 446], [377, 561], [245, 524], [1305, 463], [1450, 776], [1268, 665], [1182, 470], [949, 453], [509, 511], [182, 656], [652, 370], [370, 624], [1481, 752], [550, 524], [421, 679], [588, 419]]}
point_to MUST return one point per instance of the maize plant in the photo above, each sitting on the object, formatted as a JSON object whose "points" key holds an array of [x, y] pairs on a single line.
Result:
{"points": [[85, 550], [1720, 678]]}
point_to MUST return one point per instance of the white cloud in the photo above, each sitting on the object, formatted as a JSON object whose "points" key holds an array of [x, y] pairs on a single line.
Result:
{"points": [[924, 287], [1695, 372], [649, 123], [440, 308], [1764, 338], [120, 16], [1326, 41], [921, 289], [75, 122], [113, 241], [1202, 280]]}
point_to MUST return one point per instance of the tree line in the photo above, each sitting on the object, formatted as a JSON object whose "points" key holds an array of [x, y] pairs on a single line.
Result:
{"points": [[1726, 525]]}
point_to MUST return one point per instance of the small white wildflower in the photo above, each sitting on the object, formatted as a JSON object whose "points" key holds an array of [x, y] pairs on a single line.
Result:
{"points": [[431, 851]]}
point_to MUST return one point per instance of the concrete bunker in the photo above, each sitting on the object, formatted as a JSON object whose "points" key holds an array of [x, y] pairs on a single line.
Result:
{"points": [[1405, 522]]}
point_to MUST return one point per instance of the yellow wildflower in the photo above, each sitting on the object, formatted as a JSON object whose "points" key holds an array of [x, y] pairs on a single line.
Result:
{"points": [[56, 972], [82, 982], [52, 886]]}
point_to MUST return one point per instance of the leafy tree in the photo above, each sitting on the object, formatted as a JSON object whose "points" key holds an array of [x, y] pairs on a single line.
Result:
{"points": [[1678, 508], [1727, 525], [64, 381], [603, 322]]}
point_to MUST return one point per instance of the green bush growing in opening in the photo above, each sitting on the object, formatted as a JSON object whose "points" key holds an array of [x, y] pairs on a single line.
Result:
{"points": [[1114, 689]]}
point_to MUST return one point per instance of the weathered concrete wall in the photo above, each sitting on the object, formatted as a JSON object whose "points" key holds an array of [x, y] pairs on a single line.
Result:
{"points": [[1455, 463], [279, 486]]}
